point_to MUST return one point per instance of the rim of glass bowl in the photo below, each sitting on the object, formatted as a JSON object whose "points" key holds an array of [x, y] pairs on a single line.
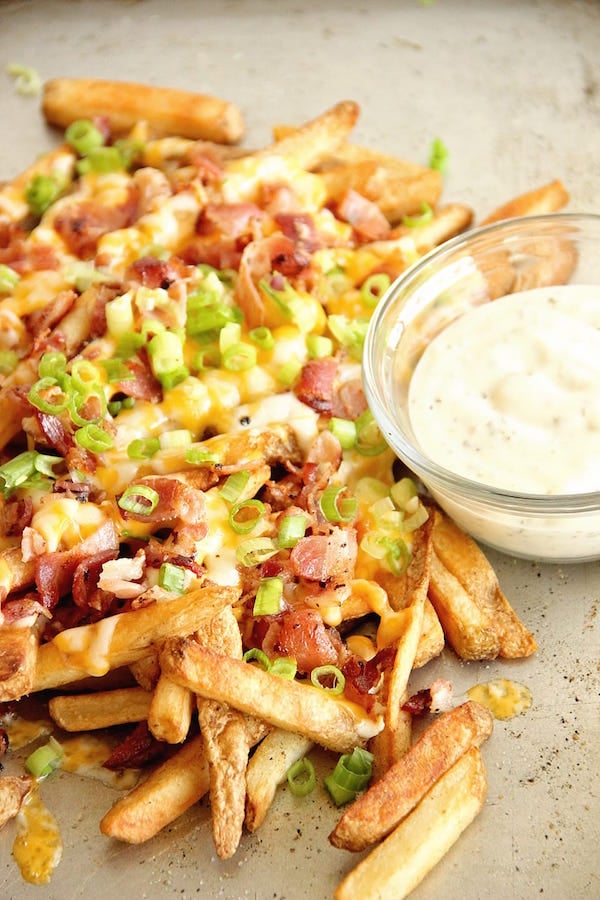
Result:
{"points": [[434, 475]]}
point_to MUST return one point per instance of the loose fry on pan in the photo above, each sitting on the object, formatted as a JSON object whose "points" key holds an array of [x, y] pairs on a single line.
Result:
{"points": [[169, 111], [88, 712], [377, 812], [126, 637], [18, 656], [13, 790], [170, 711], [282, 703], [268, 768], [394, 868], [164, 796], [462, 558], [546, 199]]}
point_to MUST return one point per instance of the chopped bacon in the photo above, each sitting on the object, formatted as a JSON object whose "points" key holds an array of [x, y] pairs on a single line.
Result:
{"points": [[275, 253], [366, 218], [302, 635], [315, 386], [436, 698], [155, 273], [87, 593], [15, 515], [157, 554], [54, 431], [220, 252], [363, 677], [279, 198], [299, 228], [180, 507], [138, 749], [206, 158], [349, 400], [82, 225], [80, 490], [229, 219], [21, 255], [144, 385], [42, 320], [325, 557], [151, 185], [18, 608]]}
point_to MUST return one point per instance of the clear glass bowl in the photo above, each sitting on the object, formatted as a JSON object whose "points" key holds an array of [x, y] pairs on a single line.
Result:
{"points": [[468, 271]]}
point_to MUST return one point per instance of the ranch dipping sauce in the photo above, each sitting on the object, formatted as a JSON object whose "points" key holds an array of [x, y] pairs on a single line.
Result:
{"points": [[509, 394]]}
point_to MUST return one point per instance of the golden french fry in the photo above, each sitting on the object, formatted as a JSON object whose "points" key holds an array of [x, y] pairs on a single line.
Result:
{"points": [[268, 768], [546, 199], [286, 704], [146, 671], [447, 221], [18, 655], [169, 111], [13, 790], [16, 574], [461, 557], [165, 795], [88, 712], [170, 711], [410, 852], [126, 637], [314, 141], [377, 812]]}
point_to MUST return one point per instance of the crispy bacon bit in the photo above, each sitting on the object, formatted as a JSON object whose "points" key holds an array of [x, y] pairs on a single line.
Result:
{"points": [[366, 218], [279, 198], [259, 259], [321, 557], [42, 320], [179, 507], [18, 608], [80, 490], [364, 676], [87, 591], [144, 385], [315, 386], [155, 273], [54, 432], [21, 256], [228, 219], [138, 749], [151, 185], [157, 554], [303, 635], [82, 225], [15, 515], [349, 400], [436, 698], [299, 228]]}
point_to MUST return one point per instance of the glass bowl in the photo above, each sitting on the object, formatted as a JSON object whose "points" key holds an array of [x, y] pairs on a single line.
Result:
{"points": [[545, 257]]}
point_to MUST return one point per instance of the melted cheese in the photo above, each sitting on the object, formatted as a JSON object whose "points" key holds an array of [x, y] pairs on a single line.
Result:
{"points": [[503, 697], [64, 522], [244, 180], [37, 848], [87, 647], [85, 754], [22, 732]]}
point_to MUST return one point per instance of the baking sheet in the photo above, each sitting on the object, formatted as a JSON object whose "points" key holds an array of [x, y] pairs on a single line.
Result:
{"points": [[513, 89]]}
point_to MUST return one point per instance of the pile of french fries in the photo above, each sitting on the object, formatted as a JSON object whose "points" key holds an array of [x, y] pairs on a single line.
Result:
{"points": [[234, 728]]}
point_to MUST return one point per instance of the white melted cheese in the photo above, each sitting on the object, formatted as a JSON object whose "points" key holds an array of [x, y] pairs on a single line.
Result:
{"points": [[87, 647], [64, 522]]}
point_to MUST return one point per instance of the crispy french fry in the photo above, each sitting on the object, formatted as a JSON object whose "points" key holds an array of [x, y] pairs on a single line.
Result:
{"points": [[447, 221], [462, 558], [164, 796], [170, 711], [15, 573], [410, 852], [377, 812], [314, 141], [282, 703], [13, 790], [146, 671], [126, 637], [18, 655], [546, 199], [169, 111], [88, 712], [268, 768]]}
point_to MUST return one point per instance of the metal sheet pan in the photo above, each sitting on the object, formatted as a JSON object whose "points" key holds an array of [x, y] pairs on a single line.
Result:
{"points": [[513, 88]]}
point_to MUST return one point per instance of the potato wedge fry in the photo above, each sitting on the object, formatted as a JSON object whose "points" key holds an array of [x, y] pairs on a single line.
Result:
{"points": [[268, 768], [447, 221], [88, 712], [409, 853], [170, 711], [19, 644], [13, 790], [341, 726], [169, 111], [377, 812], [122, 639], [15, 573], [546, 199], [314, 141], [164, 796], [146, 671], [462, 558]]}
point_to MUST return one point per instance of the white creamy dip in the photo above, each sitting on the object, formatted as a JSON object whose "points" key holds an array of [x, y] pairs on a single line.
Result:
{"points": [[509, 394]]}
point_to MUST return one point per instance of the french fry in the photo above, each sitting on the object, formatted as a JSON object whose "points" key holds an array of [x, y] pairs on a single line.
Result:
{"points": [[165, 795], [341, 726], [126, 637], [462, 558], [170, 712], [377, 812], [546, 199], [316, 140], [394, 868], [18, 656], [103, 709], [169, 111], [447, 221], [268, 768], [13, 790], [146, 671]]}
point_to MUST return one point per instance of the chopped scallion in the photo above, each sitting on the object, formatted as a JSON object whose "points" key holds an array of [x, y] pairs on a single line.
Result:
{"points": [[301, 777], [171, 578], [254, 551], [246, 524], [321, 674], [139, 499], [344, 430], [335, 507], [291, 529], [83, 136], [374, 287], [268, 596], [143, 448], [9, 279], [45, 759], [235, 485]]}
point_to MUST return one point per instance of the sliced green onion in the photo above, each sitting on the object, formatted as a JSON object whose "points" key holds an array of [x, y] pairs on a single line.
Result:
{"points": [[318, 346], [374, 287], [178, 437], [171, 578], [150, 327], [83, 136], [27, 79], [301, 778], [349, 333], [438, 155], [368, 490], [402, 492], [262, 337], [375, 544], [259, 656], [398, 556], [414, 521], [197, 457], [268, 596], [416, 221], [93, 437], [129, 150], [129, 344], [9, 279], [41, 192], [326, 672], [246, 525], [9, 361], [101, 161], [205, 313], [139, 499], [52, 365], [229, 336], [176, 376], [255, 551], [291, 529], [352, 774], [16, 471], [344, 430], [84, 375], [289, 371], [44, 463], [93, 399], [235, 486], [165, 351], [48, 396], [239, 357], [45, 759], [284, 667], [336, 508], [143, 448], [116, 370], [369, 440]]}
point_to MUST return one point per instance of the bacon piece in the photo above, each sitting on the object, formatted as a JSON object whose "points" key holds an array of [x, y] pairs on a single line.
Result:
{"points": [[82, 225], [24, 607], [156, 273], [144, 385], [220, 253], [279, 199], [138, 749], [86, 591], [322, 557], [230, 219], [315, 385], [349, 400], [300, 228], [80, 490], [364, 677], [302, 635], [15, 515], [436, 698], [151, 185], [42, 320], [54, 431], [180, 507], [157, 554], [366, 218], [275, 253], [21, 255]]}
